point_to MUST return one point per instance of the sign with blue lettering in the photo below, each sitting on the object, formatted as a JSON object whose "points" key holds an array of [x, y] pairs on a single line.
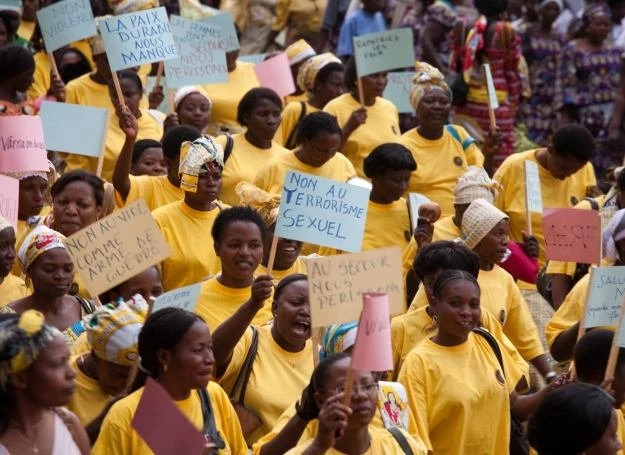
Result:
{"points": [[137, 38], [184, 298], [605, 295], [66, 22], [322, 211]]}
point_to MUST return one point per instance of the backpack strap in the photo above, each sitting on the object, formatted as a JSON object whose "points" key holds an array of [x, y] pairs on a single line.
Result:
{"points": [[208, 416], [229, 146], [454, 133], [240, 385], [593, 203], [401, 440], [290, 142]]}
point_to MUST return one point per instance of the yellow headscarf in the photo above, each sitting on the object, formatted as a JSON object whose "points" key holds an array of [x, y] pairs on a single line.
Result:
{"points": [[427, 78], [266, 204], [37, 242], [196, 155], [309, 70], [298, 51]]}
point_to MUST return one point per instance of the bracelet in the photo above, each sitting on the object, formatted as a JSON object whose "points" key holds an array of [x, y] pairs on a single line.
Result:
{"points": [[549, 377]]}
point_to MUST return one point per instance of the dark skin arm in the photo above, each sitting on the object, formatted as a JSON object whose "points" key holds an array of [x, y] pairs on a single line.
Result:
{"points": [[357, 118], [541, 363], [522, 406], [121, 180], [432, 35], [561, 285], [562, 347], [93, 429], [492, 144]]}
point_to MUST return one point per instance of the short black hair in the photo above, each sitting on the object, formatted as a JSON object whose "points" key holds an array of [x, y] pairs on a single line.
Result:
{"points": [[284, 283], [390, 156], [232, 215], [78, 175], [450, 275], [173, 139], [491, 7], [591, 355], [312, 124], [445, 255], [574, 141], [131, 75], [14, 60], [251, 99], [141, 146], [324, 73]]}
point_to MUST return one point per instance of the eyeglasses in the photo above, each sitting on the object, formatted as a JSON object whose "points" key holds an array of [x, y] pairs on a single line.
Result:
{"points": [[366, 387]]}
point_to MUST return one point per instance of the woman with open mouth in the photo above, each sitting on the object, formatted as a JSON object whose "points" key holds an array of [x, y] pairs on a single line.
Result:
{"points": [[280, 356]]}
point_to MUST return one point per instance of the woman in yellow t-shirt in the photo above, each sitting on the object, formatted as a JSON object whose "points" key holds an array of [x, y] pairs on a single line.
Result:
{"points": [[259, 111], [347, 428], [192, 106], [11, 286], [457, 388], [176, 351], [283, 363], [322, 77], [364, 126], [238, 237]]}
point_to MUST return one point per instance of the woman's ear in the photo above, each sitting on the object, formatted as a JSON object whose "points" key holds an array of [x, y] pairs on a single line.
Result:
{"points": [[18, 380], [164, 357], [319, 399]]}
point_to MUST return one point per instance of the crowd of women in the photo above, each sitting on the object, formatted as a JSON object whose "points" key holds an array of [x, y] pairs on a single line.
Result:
{"points": [[482, 353]]}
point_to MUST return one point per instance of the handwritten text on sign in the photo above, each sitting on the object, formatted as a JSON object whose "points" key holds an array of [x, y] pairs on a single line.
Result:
{"points": [[373, 350], [66, 22], [572, 235], [22, 147], [397, 90], [184, 298], [322, 211], [336, 284], [137, 38], [605, 295], [117, 247], [228, 40], [384, 51], [9, 197], [533, 195]]}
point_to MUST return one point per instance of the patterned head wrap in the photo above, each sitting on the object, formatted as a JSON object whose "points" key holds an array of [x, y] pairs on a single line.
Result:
{"points": [[427, 78], [308, 72], [37, 242], [195, 157], [183, 92], [131, 6], [613, 232], [49, 176], [21, 340], [546, 2], [338, 338], [299, 51], [478, 220], [4, 223], [113, 330], [475, 184], [266, 204]]}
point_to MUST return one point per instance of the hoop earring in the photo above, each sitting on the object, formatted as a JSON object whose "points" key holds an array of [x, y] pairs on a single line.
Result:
{"points": [[435, 319]]}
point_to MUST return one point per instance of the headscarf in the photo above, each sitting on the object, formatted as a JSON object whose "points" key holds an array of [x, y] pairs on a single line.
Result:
{"points": [[475, 184], [113, 330], [478, 220], [37, 242], [266, 204], [546, 2], [183, 92], [196, 156], [593, 11], [49, 176], [21, 340], [338, 338], [308, 72], [426, 78], [613, 232], [4, 223], [299, 51], [131, 6]]}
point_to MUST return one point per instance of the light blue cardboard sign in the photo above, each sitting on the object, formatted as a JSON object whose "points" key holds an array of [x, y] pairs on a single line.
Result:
{"points": [[73, 128], [322, 211], [384, 51], [11, 5], [200, 57], [184, 298], [66, 22], [254, 58], [533, 196], [229, 40], [414, 202], [397, 90], [136, 38], [605, 295]]}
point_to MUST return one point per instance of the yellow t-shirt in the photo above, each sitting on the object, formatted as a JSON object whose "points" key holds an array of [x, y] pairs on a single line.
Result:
{"points": [[12, 288], [295, 98], [302, 15], [225, 97], [381, 126], [445, 229], [277, 379], [26, 29], [440, 163], [382, 442], [297, 267], [89, 400], [459, 396], [243, 164], [217, 302], [85, 91], [156, 191], [386, 225], [271, 177], [184, 228], [41, 76], [117, 437], [290, 117]]}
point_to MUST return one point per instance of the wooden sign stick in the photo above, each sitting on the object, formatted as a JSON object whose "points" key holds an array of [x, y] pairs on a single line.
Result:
{"points": [[614, 350], [55, 70], [528, 214], [170, 100], [581, 331], [159, 74], [118, 89], [272, 254], [492, 97]]}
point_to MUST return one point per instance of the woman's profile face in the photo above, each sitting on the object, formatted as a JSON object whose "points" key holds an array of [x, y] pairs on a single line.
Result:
{"points": [[192, 359]]}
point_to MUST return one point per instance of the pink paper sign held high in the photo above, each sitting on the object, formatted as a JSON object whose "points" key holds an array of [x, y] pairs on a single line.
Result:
{"points": [[22, 147], [372, 351], [275, 73], [572, 235]]}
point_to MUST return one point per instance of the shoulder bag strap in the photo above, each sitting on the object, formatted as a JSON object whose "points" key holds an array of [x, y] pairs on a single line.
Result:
{"points": [[208, 416], [493, 345], [290, 142], [240, 385], [401, 440], [593, 203], [229, 146]]}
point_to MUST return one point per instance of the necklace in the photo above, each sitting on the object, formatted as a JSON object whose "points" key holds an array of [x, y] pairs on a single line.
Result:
{"points": [[20, 430]]}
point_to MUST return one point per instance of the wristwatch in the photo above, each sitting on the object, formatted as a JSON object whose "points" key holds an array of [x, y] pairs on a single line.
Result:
{"points": [[549, 377]]}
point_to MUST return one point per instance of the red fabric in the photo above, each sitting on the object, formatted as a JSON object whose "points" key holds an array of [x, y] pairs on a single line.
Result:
{"points": [[520, 265]]}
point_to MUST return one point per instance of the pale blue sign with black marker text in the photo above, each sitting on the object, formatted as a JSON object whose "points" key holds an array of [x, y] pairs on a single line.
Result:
{"points": [[184, 298], [605, 295], [397, 90], [322, 211], [65, 22], [229, 40], [384, 51]]}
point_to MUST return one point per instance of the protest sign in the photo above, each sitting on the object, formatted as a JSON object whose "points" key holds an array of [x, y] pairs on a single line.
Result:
{"points": [[322, 211], [336, 284], [572, 235], [136, 38], [156, 407], [414, 202], [61, 131], [384, 51], [118, 247], [275, 73], [254, 58], [372, 351], [22, 147], [606, 290], [533, 196], [184, 298], [9, 198], [66, 22], [397, 90], [228, 40], [201, 59], [11, 5]]}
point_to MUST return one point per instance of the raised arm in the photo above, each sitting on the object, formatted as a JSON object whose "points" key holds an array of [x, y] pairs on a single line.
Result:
{"points": [[121, 174]]}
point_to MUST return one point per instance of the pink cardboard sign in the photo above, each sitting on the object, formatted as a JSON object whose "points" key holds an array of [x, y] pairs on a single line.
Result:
{"points": [[275, 73], [163, 426], [22, 147], [572, 235], [372, 351], [9, 199]]}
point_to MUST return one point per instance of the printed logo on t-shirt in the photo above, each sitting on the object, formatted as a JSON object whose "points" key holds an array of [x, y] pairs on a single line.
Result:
{"points": [[502, 316], [499, 377], [458, 161], [574, 201], [407, 236]]}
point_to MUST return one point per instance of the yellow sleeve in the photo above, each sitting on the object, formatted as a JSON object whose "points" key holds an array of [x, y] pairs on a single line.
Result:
{"points": [[265, 177], [230, 426], [327, 251], [239, 352], [408, 255], [569, 313], [139, 188], [309, 433], [115, 435], [282, 16], [397, 342], [41, 77], [411, 375], [419, 300], [474, 155]]}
